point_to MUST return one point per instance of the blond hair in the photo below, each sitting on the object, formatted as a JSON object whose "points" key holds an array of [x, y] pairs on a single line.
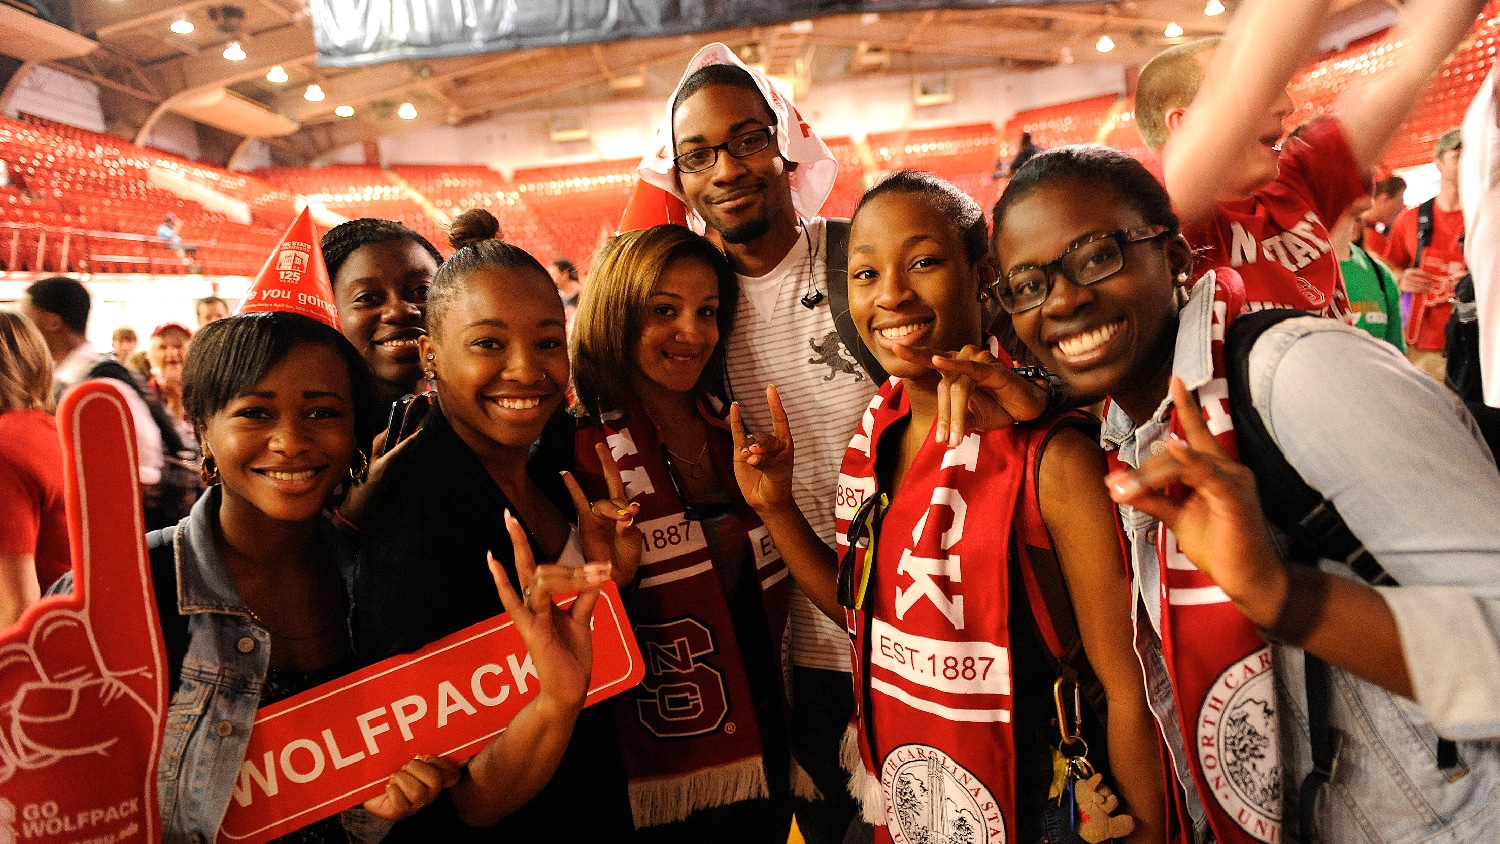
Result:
{"points": [[25, 365], [1171, 80]]}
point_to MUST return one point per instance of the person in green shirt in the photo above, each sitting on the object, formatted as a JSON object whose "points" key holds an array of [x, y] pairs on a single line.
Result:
{"points": [[1374, 297]]}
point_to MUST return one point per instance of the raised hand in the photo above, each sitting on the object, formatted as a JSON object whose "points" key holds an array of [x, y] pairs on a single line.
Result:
{"points": [[1209, 501], [417, 784], [606, 528], [763, 462], [558, 640], [977, 392]]}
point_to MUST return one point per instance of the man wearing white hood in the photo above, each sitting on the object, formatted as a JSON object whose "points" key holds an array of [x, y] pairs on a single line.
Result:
{"points": [[736, 151]]}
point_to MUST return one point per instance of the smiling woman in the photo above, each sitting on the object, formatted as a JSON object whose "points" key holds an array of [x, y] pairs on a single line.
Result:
{"points": [[495, 442], [380, 271]]}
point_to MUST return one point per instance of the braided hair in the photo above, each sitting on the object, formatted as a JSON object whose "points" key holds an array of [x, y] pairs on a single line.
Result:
{"points": [[342, 240]]}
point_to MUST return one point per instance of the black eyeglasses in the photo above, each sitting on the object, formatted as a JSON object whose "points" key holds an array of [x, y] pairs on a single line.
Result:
{"points": [[1089, 261], [739, 146], [860, 537]]}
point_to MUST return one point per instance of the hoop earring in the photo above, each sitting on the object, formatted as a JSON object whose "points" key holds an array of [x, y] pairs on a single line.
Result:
{"points": [[358, 473], [208, 470]]}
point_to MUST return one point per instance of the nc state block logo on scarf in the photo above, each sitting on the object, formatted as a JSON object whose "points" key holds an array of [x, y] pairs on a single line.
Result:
{"points": [[83, 695]]}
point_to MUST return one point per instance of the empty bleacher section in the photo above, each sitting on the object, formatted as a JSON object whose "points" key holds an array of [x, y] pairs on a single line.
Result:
{"points": [[89, 202], [964, 155], [454, 189], [577, 204]]}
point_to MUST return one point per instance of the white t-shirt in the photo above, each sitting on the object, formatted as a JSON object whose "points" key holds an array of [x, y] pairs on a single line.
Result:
{"points": [[777, 340], [148, 446], [1479, 190]]}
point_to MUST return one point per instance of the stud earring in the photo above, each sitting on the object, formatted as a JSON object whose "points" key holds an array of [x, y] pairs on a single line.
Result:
{"points": [[429, 356], [1182, 278], [208, 470]]}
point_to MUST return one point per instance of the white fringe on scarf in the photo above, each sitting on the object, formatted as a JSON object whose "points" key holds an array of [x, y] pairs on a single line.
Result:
{"points": [[864, 787], [802, 783], [668, 800]]}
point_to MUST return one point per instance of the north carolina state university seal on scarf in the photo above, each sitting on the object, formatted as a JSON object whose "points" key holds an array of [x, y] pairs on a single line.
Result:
{"points": [[1237, 746], [929, 797]]}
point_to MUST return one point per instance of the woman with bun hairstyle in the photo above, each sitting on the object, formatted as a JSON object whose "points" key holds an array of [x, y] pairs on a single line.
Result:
{"points": [[497, 441], [647, 361], [381, 271]]}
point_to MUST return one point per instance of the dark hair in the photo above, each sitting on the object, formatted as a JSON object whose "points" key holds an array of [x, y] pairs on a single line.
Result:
{"points": [[1100, 168], [342, 240], [1390, 186], [563, 265], [476, 237], [228, 357], [719, 74], [65, 297], [625, 274], [953, 204]]}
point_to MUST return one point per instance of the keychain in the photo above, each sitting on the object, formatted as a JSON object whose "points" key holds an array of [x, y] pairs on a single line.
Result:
{"points": [[1087, 803]]}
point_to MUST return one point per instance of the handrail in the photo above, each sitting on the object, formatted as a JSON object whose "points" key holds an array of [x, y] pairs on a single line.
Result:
{"points": [[24, 246]]}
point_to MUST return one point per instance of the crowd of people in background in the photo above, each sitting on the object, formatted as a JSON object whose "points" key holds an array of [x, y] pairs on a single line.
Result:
{"points": [[1219, 563]]}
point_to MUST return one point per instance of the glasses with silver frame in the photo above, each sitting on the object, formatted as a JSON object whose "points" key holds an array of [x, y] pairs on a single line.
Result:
{"points": [[739, 146], [1086, 262]]}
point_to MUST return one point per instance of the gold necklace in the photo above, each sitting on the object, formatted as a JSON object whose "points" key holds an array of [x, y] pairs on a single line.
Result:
{"points": [[333, 620], [697, 468]]}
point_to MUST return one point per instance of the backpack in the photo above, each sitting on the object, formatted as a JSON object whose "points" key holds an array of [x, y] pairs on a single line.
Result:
{"points": [[180, 483], [1316, 530]]}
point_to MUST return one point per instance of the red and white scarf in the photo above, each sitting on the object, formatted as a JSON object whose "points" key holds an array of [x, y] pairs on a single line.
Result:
{"points": [[688, 733], [931, 641], [1219, 665]]}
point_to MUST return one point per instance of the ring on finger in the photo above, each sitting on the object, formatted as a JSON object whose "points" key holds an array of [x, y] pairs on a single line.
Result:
{"points": [[526, 597]]}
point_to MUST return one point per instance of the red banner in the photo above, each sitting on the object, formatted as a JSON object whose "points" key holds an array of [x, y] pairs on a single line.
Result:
{"points": [[82, 675], [333, 747]]}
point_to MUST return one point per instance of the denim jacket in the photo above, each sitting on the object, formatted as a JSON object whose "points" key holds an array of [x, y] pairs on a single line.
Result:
{"points": [[1402, 461], [209, 720]]}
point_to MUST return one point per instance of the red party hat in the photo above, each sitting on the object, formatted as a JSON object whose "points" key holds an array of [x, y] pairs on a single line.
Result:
{"points": [[650, 206], [295, 279]]}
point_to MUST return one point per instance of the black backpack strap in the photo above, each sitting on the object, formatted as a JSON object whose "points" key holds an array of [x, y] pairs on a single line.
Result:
{"points": [[174, 625], [837, 235], [1312, 521], [171, 441], [1424, 229]]}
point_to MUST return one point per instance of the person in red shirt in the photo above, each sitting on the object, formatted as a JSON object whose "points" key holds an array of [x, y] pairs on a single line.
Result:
{"points": [[33, 523], [1430, 271], [1388, 197], [1247, 200]]}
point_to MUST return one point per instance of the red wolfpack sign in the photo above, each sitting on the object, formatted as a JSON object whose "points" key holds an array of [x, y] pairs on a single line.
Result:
{"points": [[332, 747], [83, 695]]}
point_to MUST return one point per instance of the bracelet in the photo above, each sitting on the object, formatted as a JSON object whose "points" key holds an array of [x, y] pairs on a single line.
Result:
{"points": [[1301, 609], [352, 527], [1056, 397]]}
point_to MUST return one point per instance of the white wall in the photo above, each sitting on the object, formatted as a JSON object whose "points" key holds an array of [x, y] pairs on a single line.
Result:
{"points": [[175, 134], [854, 108], [54, 95]]}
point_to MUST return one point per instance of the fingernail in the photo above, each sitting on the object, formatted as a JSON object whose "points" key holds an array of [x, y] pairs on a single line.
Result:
{"points": [[1122, 484], [509, 519], [942, 432]]}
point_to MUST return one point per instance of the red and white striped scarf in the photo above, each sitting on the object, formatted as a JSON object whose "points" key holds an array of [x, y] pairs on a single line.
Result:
{"points": [[688, 733], [1219, 665], [931, 645]]}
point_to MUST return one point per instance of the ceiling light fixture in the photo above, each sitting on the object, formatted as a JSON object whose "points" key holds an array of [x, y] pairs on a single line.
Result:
{"points": [[1172, 30], [344, 111], [234, 52], [182, 26], [1105, 44], [1214, 7], [313, 94], [407, 111], [276, 74]]}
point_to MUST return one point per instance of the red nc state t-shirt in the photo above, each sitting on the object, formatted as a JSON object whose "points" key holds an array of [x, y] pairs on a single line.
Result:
{"points": [[1443, 259], [1278, 238]]}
